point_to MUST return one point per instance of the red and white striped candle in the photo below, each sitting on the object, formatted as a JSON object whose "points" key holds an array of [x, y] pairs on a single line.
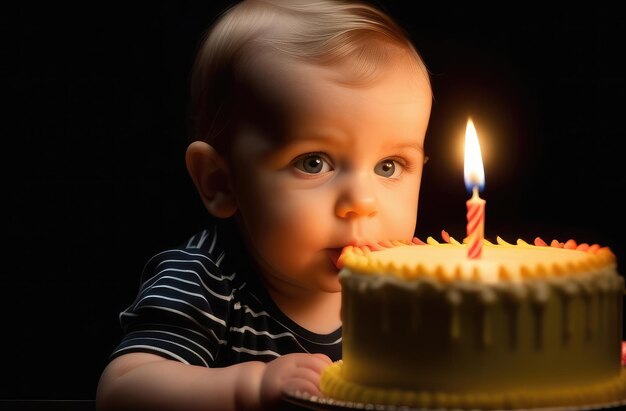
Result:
{"points": [[475, 225], [474, 175]]}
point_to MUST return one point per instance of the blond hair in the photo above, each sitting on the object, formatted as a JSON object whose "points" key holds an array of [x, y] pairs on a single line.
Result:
{"points": [[321, 32]]}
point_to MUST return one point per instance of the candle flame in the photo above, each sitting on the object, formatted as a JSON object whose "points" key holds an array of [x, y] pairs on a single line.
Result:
{"points": [[473, 170]]}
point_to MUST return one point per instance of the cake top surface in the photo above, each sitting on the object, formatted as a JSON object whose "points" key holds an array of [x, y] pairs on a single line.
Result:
{"points": [[501, 261]]}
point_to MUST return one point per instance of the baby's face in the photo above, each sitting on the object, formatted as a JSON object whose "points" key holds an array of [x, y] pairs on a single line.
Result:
{"points": [[318, 165]]}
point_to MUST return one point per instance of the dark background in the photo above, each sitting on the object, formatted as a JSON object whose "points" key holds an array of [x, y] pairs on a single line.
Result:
{"points": [[93, 140]]}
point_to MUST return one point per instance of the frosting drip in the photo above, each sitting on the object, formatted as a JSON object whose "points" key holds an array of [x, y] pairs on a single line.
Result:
{"points": [[536, 292]]}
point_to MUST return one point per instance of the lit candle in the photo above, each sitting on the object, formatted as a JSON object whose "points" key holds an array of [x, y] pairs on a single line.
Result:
{"points": [[474, 175]]}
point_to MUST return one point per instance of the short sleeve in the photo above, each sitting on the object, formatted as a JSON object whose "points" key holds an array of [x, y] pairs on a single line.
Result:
{"points": [[182, 308]]}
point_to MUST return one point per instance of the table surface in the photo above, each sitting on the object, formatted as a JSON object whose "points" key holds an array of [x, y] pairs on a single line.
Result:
{"points": [[90, 405], [48, 405], [296, 402], [287, 404]]}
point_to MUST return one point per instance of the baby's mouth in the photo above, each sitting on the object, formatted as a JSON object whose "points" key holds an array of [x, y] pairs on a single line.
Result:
{"points": [[333, 254]]}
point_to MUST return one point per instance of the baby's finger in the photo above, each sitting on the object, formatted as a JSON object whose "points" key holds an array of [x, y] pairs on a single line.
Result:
{"points": [[301, 386], [324, 357], [313, 362], [306, 373]]}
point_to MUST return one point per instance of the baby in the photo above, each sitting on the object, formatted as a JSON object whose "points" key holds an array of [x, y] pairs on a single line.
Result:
{"points": [[309, 126]]}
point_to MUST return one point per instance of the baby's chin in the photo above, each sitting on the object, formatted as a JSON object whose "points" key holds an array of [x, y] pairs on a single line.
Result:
{"points": [[332, 285], [320, 274]]}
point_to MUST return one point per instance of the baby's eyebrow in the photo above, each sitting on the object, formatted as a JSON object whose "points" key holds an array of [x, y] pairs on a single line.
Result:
{"points": [[309, 139], [414, 146], [327, 136]]}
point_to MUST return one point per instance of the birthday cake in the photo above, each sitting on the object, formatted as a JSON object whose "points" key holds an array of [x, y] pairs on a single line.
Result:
{"points": [[523, 326]]}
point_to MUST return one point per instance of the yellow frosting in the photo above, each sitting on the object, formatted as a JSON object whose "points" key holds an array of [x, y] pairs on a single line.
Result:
{"points": [[502, 261], [524, 325]]}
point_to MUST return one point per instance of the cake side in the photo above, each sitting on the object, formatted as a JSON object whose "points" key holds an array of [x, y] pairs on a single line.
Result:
{"points": [[424, 318]]}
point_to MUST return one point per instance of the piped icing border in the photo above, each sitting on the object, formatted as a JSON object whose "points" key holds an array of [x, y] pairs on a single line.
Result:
{"points": [[358, 258], [334, 386]]}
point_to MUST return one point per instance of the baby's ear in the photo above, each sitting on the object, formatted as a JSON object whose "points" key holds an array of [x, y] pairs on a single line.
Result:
{"points": [[210, 174]]}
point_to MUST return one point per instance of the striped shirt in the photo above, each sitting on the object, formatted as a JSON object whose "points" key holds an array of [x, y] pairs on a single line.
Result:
{"points": [[202, 304]]}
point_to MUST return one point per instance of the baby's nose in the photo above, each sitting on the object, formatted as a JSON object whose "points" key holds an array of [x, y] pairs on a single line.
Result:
{"points": [[357, 200]]}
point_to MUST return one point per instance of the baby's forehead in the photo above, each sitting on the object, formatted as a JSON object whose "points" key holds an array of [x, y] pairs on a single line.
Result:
{"points": [[282, 95], [270, 78]]}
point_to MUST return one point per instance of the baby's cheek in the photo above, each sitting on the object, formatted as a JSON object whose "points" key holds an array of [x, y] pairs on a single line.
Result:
{"points": [[398, 221], [288, 220]]}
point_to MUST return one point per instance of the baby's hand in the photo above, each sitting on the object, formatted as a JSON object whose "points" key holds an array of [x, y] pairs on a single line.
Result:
{"points": [[292, 372]]}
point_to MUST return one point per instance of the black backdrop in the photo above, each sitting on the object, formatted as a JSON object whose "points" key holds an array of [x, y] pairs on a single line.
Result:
{"points": [[93, 139]]}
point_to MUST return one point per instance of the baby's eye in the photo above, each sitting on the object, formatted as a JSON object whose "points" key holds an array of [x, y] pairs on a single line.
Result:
{"points": [[313, 164], [388, 168]]}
